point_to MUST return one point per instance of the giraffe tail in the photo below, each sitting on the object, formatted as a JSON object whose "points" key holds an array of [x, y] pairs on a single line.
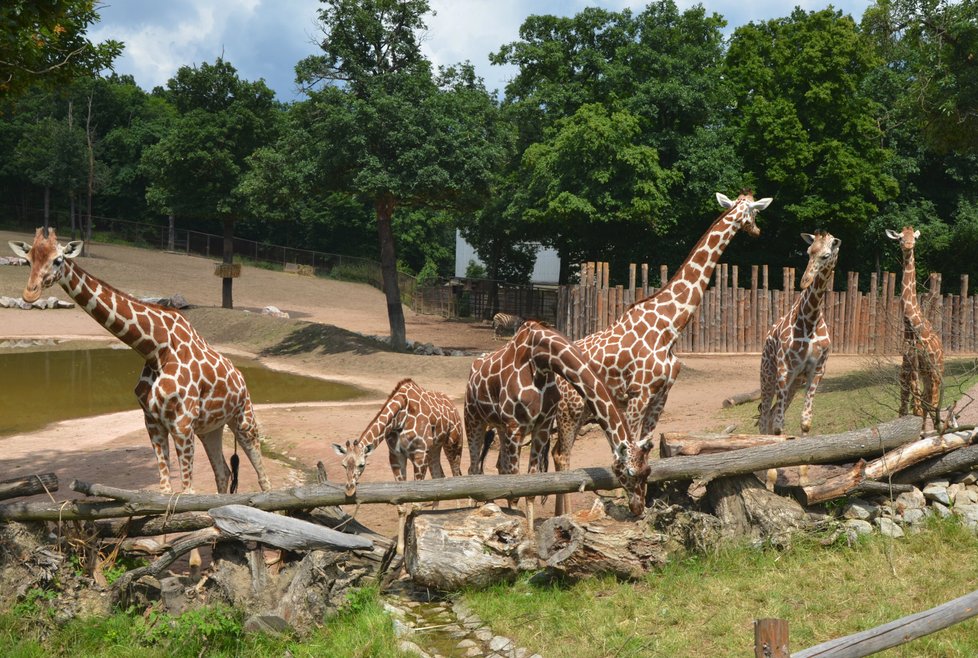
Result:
{"points": [[235, 462], [486, 443]]}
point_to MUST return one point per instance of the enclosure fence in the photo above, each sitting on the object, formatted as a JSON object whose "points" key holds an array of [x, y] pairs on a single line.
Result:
{"points": [[735, 318]]}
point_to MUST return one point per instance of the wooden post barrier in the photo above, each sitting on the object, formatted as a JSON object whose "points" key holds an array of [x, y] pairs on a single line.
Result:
{"points": [[771, 638]]}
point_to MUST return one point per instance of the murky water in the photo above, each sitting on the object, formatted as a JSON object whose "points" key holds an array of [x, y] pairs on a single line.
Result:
{"points": [[38, 387]]}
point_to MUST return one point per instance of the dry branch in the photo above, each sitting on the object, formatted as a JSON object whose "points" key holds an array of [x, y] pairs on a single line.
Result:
{"points": [[249, 524], [675, 444], [896, 632], [742, 398], [28, 485], [185, 545]]}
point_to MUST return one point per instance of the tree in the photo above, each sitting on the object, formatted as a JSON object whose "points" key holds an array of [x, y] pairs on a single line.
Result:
{"points": [[197, 167], [387, 130], [51, 155], [45, 42]]}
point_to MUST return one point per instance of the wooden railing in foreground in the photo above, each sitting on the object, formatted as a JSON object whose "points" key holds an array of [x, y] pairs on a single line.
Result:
{"points": [[732, 318], [771, 635]]}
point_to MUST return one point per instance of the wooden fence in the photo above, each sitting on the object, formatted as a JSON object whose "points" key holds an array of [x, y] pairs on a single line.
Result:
{"points": [[735, 318]]}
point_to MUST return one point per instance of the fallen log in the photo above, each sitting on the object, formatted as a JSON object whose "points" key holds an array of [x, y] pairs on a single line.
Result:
{"points": [[249, 524], [28, 485], [847, 446], [962, 459], [742, 398], [675, 444], [151, 526], [451, 549], [891, 462]]}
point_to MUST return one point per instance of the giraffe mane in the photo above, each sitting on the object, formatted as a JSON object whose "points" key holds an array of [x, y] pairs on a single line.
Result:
{"points": [[132, 299]]}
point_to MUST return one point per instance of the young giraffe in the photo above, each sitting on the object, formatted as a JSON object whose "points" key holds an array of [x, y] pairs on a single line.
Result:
{"points": [[798, 344], [417, 425], [634, 355], [514, 391], [185, 388], [923, 352]]}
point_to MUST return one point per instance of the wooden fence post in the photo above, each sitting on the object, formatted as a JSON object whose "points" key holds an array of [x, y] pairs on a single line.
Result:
{"points": [[771, 638]]}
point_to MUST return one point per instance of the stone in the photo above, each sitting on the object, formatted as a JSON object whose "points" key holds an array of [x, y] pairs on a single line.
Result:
{"points": [[915, 515], [500, 643], [889, 528], [483, 634], [860, 509], [970, 477], [472, 652], [911, 500], [465, 644], [937, 492], [941, 510], [273, 311], [968, 513], [269, 624], [410, 647], [858, 527]]}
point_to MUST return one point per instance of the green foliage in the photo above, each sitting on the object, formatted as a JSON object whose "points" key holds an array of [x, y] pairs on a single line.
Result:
{"points": [[475, 270]]}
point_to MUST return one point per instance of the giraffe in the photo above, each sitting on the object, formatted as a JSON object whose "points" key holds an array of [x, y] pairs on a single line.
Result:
{"points": [[185, 387], [923, 353], [417, 425], [798, 344], [514, 391], [634, 356]]}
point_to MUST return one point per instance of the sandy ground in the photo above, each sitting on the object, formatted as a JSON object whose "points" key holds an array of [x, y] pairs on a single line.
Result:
{"points": [[114, 450]]}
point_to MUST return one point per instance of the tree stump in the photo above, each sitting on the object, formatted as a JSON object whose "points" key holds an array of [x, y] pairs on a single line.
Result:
{"points": [[449, 549], [588, 543], [747, 509]]}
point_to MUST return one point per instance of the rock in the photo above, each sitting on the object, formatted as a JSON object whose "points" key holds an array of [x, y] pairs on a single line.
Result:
{"points": [[860, 509], [889, 528], [937, 492], [941, 510], [970, 477], [273, 311], [483, 634], [910, 500], [269, 624], [968, 513], [465, 644], [855, 527], [915, 515], [472, 652], [500, 643], [410, 647]]}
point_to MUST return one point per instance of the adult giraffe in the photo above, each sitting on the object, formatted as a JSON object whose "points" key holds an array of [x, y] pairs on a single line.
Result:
{"points": [[798, 344], [923, 352], [514, 392], [185, 388], [634, 356]]}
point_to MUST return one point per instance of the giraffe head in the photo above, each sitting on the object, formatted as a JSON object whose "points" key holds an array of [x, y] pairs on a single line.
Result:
{"points": [[907, 237], [632, 470], [744, 211], [823, 252], [354, 461], [47, 259]]}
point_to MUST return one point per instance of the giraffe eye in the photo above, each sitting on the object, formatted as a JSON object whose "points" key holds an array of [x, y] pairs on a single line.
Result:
{"points": [[59, 260]]}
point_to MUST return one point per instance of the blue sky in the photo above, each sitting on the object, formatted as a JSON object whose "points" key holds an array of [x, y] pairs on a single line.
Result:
{"points": [[265, 38]]}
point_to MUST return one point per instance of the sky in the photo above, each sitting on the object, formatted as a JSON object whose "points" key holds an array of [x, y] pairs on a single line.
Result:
{"points": [[266, 38]]}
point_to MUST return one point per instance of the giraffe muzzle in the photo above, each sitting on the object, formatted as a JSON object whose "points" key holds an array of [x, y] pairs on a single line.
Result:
{"points": [[31, 294]]}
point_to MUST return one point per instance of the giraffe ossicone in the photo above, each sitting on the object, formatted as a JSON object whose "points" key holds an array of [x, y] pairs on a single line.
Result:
{"points": [[185, 388], [797, 345], [634, 355]]}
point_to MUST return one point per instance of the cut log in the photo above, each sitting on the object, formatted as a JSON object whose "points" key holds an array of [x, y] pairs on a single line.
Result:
{"points": [[846, 447], [450, 549], [800, 476], [28, 485], [590, 542], [746, 509], [890, 463], [674, 444], [962, 459], [249, 524], [742, 398], [151, 526]]}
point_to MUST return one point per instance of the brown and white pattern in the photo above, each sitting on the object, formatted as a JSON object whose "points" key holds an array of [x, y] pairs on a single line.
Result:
{"points": [[185, 388], [417, 425], [798, 344], [922, 371], [634, 356], [513, 391]]}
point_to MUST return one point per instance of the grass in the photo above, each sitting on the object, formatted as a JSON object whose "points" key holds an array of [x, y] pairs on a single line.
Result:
{"points": [[361, 630], [705, 605], [857, 399]]}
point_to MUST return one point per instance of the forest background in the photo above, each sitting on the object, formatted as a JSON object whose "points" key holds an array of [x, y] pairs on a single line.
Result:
{"points": [[608, 143]]}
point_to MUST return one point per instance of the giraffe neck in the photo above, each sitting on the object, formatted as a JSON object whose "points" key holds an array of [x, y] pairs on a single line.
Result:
{"points": [[908, 296], [681, 296], [124, 316], [379, 427], [809, 304]]}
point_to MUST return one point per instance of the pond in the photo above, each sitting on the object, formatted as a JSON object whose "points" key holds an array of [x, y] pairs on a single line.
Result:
{"points": [[41, 386]]}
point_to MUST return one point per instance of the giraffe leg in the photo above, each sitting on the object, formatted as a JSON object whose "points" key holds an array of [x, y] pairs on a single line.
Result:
{"points": [[246, 434], [569, 419], [215, 454], [906, 370], [159, 439], [814, 379]]}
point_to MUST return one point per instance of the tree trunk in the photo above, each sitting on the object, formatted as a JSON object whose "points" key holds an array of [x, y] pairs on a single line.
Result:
{"points": [[746, 509], [674, 444], [226, 282], [90, 188], [170, 235], [28, 485], [388, 267]]}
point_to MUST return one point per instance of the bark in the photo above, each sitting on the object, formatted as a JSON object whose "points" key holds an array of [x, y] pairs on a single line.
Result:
{"points": [[897, 632], [771, 638], [28, 485], [170, 234], [248, 524], [742, 398], [963, 459], [151, 526], [388, 266], [590, 542], [185, 545], [896, 460], [674, 444], [227, 282], [747, 510], [451, 549], [90, 187]]}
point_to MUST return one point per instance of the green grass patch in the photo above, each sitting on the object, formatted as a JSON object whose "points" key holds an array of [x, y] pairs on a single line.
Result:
{"points": [[30, 629], [857, 399], [705, 605]]}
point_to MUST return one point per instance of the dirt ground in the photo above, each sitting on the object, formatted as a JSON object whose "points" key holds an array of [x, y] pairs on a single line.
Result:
{"points": [[114, 450]]}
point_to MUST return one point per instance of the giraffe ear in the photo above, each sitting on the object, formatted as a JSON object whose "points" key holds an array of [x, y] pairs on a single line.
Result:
{"points": [[891, 234], [369, 448], [808, 238], [724, 201], [73, 249], [761, 204], [836, 243], [20, 248], [339, 450], [916, 234]]}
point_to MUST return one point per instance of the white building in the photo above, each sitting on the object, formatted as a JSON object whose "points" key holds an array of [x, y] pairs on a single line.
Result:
{"points": [[546, 269]]}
